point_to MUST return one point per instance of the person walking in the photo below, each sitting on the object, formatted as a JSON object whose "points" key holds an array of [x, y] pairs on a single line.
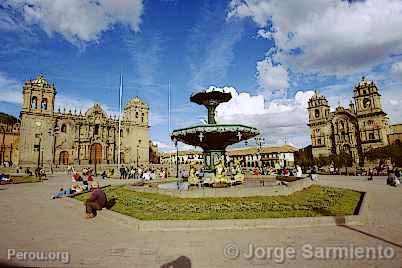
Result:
{"points": [[371, 173]]}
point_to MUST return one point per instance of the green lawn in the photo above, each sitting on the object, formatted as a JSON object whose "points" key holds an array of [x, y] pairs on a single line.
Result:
{"points": [[313, 201], [23, 179]]}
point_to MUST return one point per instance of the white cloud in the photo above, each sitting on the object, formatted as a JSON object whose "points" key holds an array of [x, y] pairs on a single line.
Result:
{"points": [[79, 20], [10, 90], [278, 120], [396, 70], [327, 36], [163, 146], [273, 79], [264, 34]]}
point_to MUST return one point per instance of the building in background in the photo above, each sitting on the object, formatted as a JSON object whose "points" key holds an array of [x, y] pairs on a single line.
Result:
{"points": [[52, 138], [154, 154], [353, 130], [264, 156], [9, 135], [395, 136], [275, 156], [186, 157]]}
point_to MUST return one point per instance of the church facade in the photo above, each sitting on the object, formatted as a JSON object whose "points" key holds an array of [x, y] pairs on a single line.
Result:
{"points": [[52, 138], [354, 130]]}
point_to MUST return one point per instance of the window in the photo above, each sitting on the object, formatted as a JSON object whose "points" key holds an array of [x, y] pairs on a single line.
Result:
{"points": [[34, 102], [319, 141], [317, 113], [96, 130], [371, 136], [63, 128], [43, 104]]}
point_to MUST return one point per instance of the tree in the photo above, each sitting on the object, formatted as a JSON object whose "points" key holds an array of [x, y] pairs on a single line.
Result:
{"points": [[391, 152]]}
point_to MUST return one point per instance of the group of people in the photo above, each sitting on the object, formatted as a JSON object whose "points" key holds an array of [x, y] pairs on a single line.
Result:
{"points": [[96, 201], [394, 176], [141, 173]]}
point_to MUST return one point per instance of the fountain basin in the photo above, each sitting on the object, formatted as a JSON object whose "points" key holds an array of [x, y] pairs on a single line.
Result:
{"points": [[214, 137]]}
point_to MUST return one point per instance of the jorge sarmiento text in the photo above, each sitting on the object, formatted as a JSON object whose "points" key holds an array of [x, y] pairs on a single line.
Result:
{"points": [[280, 254], [62, 256]]}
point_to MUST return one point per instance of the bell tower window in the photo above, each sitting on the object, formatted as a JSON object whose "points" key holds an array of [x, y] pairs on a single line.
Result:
{"points": [[317, 113], [44, 104], [34, 102], [63, 128]]}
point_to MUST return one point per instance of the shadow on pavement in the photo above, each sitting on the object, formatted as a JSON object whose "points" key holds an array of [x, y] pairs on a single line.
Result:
{"points": [[180, 262], [371, 235]]}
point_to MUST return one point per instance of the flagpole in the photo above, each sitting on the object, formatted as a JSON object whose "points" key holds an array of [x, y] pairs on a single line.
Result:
{"points": [[120, 104], [169, 100], [169, 120]]}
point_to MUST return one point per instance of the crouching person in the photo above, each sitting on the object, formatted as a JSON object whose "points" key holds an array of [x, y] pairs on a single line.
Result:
{"points": [[96, 201]]}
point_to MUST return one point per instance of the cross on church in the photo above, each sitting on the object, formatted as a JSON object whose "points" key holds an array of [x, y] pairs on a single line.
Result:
{"points": [[201, 136]]}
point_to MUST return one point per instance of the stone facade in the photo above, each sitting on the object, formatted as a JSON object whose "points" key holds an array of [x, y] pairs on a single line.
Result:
{"points": [[53, 138], [354, 130], [9, 135]]}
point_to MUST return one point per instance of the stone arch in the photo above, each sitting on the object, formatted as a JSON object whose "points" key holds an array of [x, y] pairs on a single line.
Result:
{"points": [[63, 158], [96, 154], [34, 102], [43, 104]]}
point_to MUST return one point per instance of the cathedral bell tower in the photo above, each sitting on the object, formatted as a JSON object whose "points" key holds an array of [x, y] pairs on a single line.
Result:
{"points": [[373, 121], [38, 96], [319, 112], [367, 98], [37, 123]]}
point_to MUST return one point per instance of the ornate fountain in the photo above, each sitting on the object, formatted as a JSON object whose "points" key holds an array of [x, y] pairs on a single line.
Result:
{"points": [[213, 138]]}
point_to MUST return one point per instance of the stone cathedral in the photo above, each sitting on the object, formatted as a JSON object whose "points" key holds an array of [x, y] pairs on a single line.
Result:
{"points": [[53, 138], [354, 130]]}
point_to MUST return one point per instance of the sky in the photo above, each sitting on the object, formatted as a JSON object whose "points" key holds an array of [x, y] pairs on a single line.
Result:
{"points": [[271, 54]]}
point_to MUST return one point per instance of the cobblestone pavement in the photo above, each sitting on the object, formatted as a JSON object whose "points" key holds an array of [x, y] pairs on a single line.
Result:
{"points": [[31, 221]]}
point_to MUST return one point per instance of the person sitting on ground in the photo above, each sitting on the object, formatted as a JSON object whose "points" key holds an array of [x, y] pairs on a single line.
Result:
{"points": [[28, 172], [42, 173], [62, 193], [76, 177], [103, 175], [77, 188], [89, 180], [96, 201]]}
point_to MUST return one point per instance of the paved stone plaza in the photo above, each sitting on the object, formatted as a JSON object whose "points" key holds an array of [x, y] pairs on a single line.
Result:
{"points": [[31, 221]]}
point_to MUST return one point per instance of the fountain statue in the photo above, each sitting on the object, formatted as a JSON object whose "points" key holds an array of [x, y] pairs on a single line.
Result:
{"points": [[192, 177], [213, 138]]}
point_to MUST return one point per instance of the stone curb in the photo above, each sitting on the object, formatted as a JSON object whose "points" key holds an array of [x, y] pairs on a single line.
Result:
{"points": [[235, 224]]}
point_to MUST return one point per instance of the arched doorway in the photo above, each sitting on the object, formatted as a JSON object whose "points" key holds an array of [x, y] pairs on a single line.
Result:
{"points": [[96, 154], [63, 158]]}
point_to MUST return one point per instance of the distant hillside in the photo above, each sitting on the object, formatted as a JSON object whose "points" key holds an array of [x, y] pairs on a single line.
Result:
{"points": [[8, 118]]}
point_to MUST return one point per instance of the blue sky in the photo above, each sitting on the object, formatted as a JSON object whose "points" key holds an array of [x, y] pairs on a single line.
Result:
{"points": [[272, 54]]}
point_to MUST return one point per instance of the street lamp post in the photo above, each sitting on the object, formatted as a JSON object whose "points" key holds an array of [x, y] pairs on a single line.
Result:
{"points": [[177, 158], [260, 142], [39, 149], [138, 147], [53, 132]]}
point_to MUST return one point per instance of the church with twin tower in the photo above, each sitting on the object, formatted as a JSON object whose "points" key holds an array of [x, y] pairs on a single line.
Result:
{"points": [[353, 130], [51, 138]]}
